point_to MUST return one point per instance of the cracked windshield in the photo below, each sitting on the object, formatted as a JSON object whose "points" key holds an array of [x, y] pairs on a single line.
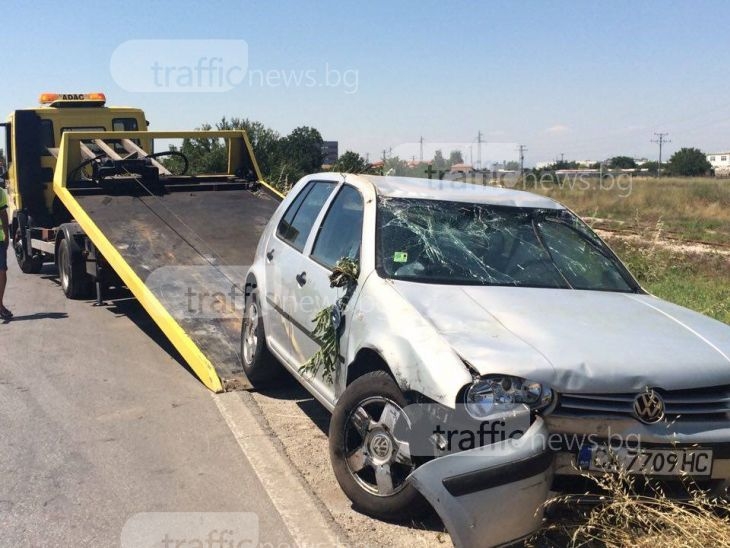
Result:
{"points": [[436, 241]]}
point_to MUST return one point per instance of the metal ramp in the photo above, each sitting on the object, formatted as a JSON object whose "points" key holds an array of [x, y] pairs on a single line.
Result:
{"points": [[181, 244]]}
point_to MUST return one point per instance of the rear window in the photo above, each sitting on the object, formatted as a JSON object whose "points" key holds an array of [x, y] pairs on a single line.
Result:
{"points": [[124, 124], [297, 222]]}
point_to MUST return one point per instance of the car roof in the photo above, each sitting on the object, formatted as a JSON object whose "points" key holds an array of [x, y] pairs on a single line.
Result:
{"points": [[454, 191]]}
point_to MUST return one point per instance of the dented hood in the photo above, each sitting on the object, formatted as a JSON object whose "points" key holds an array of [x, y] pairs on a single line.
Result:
{"points": [[585, 341]]}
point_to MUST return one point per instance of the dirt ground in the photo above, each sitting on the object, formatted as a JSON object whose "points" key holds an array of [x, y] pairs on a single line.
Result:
{"points": [[301, 424]]}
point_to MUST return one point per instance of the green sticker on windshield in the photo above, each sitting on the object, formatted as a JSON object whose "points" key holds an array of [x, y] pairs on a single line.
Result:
{"points": [[400, 257]]}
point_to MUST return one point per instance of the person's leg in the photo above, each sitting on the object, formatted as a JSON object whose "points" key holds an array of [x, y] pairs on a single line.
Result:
{"points": [[3, 277], [3, 282]]}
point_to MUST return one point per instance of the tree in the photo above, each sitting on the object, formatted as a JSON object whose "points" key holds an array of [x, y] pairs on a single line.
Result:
{"points": [[204, 155], [512, 166], [282, 161], [264, 140], [563, 164], [622, 162], [395, 166], [689, 162], [438, 160], [651, 168], [455, 157], [302, 148], [351, 162]]}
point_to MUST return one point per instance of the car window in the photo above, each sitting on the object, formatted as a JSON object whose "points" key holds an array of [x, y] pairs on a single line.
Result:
{"points": [[435, 241], [298, 220], [581, 262], [341, 231]]}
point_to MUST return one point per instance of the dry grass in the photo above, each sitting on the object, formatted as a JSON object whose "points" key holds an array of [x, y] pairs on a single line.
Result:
{"points": [[660, 212], [688, 209], [626, 518], [696, 209]]}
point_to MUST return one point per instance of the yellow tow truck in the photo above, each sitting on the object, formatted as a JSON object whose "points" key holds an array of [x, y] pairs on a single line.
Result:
{"points": [[88, 192]]}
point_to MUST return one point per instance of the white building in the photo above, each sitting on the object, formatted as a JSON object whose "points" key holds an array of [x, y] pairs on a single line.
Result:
{"points": [[720, 162]]}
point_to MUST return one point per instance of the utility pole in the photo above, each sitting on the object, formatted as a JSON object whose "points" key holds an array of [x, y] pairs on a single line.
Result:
{"points": [[421, 155], [522, 149], [479, 149], [661, 139]]}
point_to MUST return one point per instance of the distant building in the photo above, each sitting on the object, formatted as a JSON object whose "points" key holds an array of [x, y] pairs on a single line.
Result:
{"points": [[330, 152], [720, 162], [461, 168]]}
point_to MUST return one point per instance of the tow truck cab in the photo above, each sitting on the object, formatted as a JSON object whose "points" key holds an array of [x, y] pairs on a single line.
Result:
{"points": [[32, 137]]}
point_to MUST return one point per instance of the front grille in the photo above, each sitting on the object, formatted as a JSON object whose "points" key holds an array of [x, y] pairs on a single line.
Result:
{"points": [[694, 404]]}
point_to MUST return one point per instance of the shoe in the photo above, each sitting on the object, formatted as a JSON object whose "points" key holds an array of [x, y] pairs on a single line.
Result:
{"points": [[5, 314]]}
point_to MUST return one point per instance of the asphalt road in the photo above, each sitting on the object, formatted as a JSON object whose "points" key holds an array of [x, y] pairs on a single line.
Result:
{"points": [[99, 422], [102, 422]]}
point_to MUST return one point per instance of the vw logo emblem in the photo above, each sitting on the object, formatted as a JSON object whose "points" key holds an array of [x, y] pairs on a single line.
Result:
{"points": [[649, 407], [380, 446]]}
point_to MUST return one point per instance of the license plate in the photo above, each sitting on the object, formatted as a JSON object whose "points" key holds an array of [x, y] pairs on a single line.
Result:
{"points": [[646, 461]]}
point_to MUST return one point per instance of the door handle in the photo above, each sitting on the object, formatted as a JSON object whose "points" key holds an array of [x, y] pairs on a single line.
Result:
{"points": [[270, 254], [301, 278]]}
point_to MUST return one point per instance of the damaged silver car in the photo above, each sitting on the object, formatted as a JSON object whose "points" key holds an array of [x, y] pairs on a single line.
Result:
{"points": [[480, 339]]}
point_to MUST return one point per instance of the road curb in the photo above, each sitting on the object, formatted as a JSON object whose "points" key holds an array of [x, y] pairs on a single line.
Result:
{"points": [[308, 521]]}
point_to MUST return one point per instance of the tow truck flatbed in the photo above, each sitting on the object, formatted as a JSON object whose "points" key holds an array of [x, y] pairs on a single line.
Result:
{"points": [[182, 252], [189, 248]]}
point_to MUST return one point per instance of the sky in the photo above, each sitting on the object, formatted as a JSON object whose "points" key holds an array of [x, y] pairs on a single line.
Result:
{"points": [[587, 80]]}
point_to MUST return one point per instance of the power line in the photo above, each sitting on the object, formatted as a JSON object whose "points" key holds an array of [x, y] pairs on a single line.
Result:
{"points": [[661, 139]]}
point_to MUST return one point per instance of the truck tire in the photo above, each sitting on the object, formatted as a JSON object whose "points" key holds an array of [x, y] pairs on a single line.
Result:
{"points": [[365, 453], [28, 263], [71, 272], [260, 366]]}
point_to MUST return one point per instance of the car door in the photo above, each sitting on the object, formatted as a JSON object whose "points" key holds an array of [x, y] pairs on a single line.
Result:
{"points": [[283, 253], [338, 235]]}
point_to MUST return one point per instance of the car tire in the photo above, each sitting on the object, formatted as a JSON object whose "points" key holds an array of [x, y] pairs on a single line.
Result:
{"points": [[259, 365], [347, 441]]}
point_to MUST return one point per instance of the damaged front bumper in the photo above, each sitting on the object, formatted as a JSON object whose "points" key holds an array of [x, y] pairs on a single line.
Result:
{"points": [[493, 494]]}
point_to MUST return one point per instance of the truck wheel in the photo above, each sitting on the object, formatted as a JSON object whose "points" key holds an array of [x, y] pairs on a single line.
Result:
{"points": [[74, 281], [370, 463], [260, 366], [28, 264]]}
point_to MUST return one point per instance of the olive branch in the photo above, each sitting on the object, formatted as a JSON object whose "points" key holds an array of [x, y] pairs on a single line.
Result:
{"points": [[328, 320]]}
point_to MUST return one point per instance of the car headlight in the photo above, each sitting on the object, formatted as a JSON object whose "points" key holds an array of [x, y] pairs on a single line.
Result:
{"points": [[500, 393]]}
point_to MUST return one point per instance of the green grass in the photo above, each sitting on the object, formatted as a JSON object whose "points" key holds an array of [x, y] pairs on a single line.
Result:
{"points": [[697, 281], [704, 295], [680, 208]]}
